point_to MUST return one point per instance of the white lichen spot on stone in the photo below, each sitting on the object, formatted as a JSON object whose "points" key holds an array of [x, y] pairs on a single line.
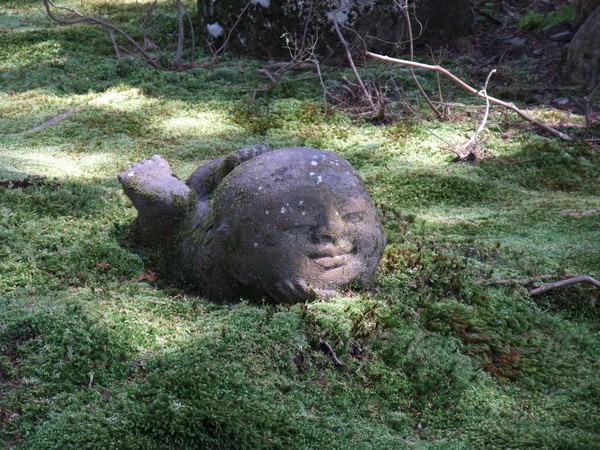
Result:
{"points": [[303, 213], [263, 3], [215, 29], [282, 210], [256, 244], [301, 202], [341, 14], [260, 188], [313, 163], [311, 174], [319, 179], [267, 213]]}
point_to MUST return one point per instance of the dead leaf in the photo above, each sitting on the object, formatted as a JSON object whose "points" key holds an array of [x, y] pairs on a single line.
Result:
{"points": [[150, 275]]}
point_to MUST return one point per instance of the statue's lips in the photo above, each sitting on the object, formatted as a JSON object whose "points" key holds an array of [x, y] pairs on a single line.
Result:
{"points": [[330, 262], [329, 259]]}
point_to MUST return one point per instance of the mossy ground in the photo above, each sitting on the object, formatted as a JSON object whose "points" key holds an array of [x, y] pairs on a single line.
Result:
{"points": [[95, 352]]}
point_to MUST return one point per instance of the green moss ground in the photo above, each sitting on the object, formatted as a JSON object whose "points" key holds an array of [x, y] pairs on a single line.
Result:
{"points": [[96, 353]]}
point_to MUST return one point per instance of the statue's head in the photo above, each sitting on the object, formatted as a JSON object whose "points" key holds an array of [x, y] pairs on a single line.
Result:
{"points": [[290, 221]]}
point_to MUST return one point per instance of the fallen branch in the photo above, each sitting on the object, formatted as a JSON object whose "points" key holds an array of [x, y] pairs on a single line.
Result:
{"points": [[337, 361], [467, 144], [54, 121], [474, 91], [567, 282], [344, 43], [81, 18]]}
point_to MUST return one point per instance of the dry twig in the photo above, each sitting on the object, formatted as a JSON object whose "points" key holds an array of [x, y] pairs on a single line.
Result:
{"points": [[111, 28], [54, 121], [467, 144], [472, 90], [336, 360], [588, 115], [404, 8], [567, 282], [363, 88]]}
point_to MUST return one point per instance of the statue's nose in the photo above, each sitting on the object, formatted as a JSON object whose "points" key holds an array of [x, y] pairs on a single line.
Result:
{"points": [[331, 228]]}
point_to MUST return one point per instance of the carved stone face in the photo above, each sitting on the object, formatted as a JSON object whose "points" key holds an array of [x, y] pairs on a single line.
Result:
{"points": [[292, 220]]}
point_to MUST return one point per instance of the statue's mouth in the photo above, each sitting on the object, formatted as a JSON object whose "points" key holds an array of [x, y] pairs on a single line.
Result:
{"points": [[331, 258], [330, 262]]}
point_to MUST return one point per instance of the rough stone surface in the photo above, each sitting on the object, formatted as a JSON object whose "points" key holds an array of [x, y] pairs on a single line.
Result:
{"points": [[268, 27], [278, 224], [584, 8], [582, 65], [161, 199]]}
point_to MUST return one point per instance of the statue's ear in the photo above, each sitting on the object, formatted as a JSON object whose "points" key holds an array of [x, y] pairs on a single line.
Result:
{"points": [[241, 156]]}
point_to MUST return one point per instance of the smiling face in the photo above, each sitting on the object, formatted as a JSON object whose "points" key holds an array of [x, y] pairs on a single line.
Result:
{"points": [[295, 219]]}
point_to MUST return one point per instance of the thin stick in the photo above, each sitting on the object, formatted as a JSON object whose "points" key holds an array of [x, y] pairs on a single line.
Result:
{"points": [[230, 33], [351, 62], [180, 34], [588, 118], [485, 115], [95, 21], [193, 59], [474, 91], [404, 9], [337, 361], [567, 282], [54, 121]]}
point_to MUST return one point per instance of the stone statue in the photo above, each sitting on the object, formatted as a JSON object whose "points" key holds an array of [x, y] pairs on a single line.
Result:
{"points": [[285, 225]]}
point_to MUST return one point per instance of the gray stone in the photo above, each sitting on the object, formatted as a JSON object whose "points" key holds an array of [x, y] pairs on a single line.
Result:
{"points": [[582, 65], [285, 224], [268, 28], [564, 36]]}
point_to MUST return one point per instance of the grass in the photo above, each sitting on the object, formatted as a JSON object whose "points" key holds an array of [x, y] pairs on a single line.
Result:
{"points": [[97, 353]]}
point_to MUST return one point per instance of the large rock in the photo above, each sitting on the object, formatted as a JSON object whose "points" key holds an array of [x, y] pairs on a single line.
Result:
{"points": [[268, 27], [583, 9], [582, 65], [285, 225]]}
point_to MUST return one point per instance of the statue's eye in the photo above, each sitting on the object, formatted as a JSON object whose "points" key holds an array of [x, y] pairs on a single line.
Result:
{"points": [[353, 217], [298, 230]]}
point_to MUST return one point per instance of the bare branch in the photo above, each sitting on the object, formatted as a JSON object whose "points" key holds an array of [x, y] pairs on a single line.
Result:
{"points": [[217, 52], [180, 35], [351, 62], [472, 90], [404, 9], [193, 56], [588, 116], [54, 121], [485, 115], [336, 360], [81, 18], [567, 282]]}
